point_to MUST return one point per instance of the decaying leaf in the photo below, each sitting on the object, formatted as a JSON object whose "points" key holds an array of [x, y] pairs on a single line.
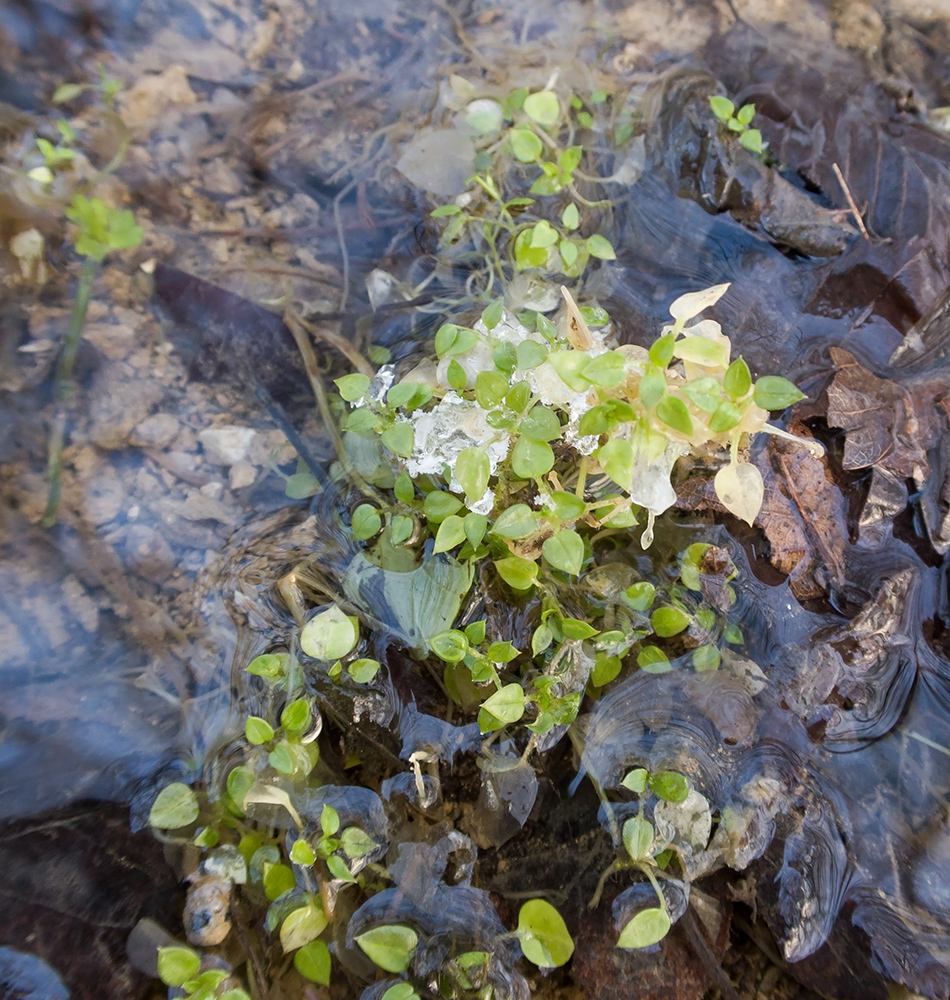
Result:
{"points": [[887, 424]]}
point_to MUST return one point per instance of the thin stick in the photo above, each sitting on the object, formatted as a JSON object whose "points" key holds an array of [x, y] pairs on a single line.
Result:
{"points": [[851, 202]]}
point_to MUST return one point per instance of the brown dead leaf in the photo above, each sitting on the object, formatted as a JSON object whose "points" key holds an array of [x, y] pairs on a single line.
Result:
{"points": [[887, 424], [803, 515]]}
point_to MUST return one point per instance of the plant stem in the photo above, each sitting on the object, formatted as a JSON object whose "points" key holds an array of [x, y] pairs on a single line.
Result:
{"points": [[64, 375]]}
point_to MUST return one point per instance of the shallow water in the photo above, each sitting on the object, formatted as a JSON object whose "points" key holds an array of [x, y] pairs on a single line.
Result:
{"points": [[126, 628]]}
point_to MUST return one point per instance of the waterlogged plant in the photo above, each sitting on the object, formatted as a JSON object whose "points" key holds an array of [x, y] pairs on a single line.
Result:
{"points": [[523, 210], [180, 967], [738, 122], [522, 454]]}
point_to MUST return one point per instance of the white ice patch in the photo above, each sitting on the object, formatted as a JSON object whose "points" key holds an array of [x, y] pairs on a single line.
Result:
{"points": [[446, 430]]}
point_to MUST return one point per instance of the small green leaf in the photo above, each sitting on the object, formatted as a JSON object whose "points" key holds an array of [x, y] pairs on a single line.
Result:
{"points": [[439, 505], [745, 114], [473, 470], [475, 526], [451, 533], [652, 388], [411, 395], [518, 396], [391, 947], [543, 935], [564, 550], [302, 853], [356, 842], [661, 353], [703, 393], [443, 211], [752, 140], [490, 389], [543, 107], [606, 669], [640, 595], [257, 730], [737, 381], [569, 366], [329, 635], [541, 424], [475, 631], [702, 351], [526, 146], [637, 836], [502, 652], [352, 387], [366, 522], [600, 246], [302, 926], [176, 806], [456, 376], [653, 660], [400, 991], [726, 417], [530, 354], [176, 965], [636, 780], [450, 646], [706, 658], [542, 637], [530, 459], [574, 628], [400, 528], [673, 413], [733, 634], [313, 962], [269, 666], [772, 392], [399, 439], [569, 253], [278, 879], [329, 820], [502, 708], [649, 926], [518, 573], [616, 457], [669, 621], [567, 506], [606, 370], [671, 786], [363, 671], [338, 869], [570, 217], [403, 488], [62, 94], [722, 108]]}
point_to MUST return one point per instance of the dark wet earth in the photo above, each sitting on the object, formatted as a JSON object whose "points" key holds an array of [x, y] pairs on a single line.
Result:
{"points": [[272, 133]]}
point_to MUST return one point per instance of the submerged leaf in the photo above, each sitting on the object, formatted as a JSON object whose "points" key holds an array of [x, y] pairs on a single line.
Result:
{"points": [[740, 488]]}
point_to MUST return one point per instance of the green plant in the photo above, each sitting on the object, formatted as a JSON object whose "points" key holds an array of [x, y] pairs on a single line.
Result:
{"points": [[525, 451], [99, 230], [181, 967], [507, 215], [738, 122]]}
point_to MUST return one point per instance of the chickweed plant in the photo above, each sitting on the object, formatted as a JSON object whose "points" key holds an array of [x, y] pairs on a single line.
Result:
{"points": [[523, 451], [98, 231]]}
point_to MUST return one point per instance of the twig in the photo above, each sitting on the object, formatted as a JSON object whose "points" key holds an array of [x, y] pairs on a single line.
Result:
{"points": [[851, 201]]}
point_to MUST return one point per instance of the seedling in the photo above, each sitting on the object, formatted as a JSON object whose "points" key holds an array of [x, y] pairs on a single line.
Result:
{"points": [[738, 122]]}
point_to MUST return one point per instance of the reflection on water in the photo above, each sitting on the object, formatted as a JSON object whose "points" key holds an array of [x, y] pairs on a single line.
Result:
{"points": [[264, 160]]}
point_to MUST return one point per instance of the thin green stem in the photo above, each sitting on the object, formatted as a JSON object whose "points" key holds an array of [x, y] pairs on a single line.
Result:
{"points": [[64, 375]]}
